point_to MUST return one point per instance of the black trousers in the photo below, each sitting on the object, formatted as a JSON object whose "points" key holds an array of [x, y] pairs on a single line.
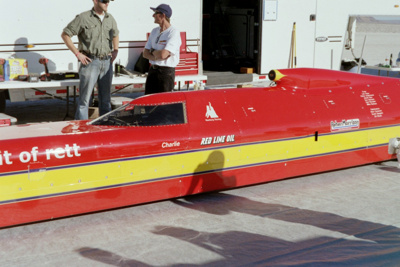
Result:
{"points": [[160, 79]]}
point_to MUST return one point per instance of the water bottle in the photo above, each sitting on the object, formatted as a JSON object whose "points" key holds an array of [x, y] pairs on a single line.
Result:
{"points": [[6, 70]]}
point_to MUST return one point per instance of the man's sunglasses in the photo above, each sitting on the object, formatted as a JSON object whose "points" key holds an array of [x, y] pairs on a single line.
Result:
{"points": [[104, 1]]}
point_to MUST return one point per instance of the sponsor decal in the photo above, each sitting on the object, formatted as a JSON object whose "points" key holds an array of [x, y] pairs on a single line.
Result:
{"points": [[376, 112], [321, 39], [32, 155], [170, 144], [5, 122], [345, 125], [368, 98], [211, 115], [217, 139]]}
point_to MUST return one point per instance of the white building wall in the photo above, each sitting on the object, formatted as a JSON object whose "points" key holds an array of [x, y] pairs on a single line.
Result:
{"points": [[329, 28]]}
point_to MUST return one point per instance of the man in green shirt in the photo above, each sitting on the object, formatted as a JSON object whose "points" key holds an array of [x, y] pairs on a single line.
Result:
{"points": [[98, 37]]}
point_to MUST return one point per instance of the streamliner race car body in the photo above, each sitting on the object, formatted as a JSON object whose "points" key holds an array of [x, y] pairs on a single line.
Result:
{"points": [[170, 145]]}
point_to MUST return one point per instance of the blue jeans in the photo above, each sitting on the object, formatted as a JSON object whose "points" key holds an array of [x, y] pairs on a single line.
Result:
{"points": [[100, 72]]}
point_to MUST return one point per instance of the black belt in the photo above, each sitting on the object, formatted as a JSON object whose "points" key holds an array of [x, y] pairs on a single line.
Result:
{"points": [[100, 57], [160, 67]]}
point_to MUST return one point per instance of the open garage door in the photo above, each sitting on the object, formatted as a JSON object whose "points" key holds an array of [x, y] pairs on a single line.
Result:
{"points": [[231, 35]]}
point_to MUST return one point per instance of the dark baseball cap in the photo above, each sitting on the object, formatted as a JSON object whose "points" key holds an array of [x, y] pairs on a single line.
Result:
{"points": [[163, 8]]}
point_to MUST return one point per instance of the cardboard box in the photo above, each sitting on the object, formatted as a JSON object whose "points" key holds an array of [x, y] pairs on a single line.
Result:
{"points": [[246, 70], [15, 67], [244, 85], [93, 113]]}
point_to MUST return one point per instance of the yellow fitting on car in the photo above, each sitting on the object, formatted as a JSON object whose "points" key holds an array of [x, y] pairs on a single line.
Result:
{"points": [[275, 75]]}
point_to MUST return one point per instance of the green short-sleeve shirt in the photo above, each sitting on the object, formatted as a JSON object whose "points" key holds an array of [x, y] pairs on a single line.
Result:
{"points": [[95, 37]]}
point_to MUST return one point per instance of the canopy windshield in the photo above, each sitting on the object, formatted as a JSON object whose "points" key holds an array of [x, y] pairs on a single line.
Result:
{"points": [[144, 115]]}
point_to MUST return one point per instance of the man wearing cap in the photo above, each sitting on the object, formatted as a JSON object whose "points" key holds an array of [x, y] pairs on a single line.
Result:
{"points": [[162, 50], [98, 37]]}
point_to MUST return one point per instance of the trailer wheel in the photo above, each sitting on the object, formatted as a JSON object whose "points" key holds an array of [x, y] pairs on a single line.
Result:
{"points": [[2, 101]]}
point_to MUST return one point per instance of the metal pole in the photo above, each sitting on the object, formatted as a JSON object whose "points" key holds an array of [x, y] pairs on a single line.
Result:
{"points": [[361, 57]]}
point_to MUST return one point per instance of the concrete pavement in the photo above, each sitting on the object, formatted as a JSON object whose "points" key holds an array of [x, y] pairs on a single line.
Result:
{"points": [[343, 218]]}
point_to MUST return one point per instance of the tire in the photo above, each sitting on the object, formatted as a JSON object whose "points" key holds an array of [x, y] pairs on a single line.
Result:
{"points": [[2, 101]]}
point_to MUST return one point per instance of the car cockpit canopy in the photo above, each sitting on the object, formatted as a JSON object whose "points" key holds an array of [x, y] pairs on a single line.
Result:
{"points": [[145, 115]]}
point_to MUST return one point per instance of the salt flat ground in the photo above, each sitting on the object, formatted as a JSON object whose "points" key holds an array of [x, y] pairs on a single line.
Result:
{"points": [[349, 217]]}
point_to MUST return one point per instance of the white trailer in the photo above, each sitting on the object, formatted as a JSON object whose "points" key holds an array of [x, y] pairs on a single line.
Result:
{"points": [[321, 29], [32, 30]]}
